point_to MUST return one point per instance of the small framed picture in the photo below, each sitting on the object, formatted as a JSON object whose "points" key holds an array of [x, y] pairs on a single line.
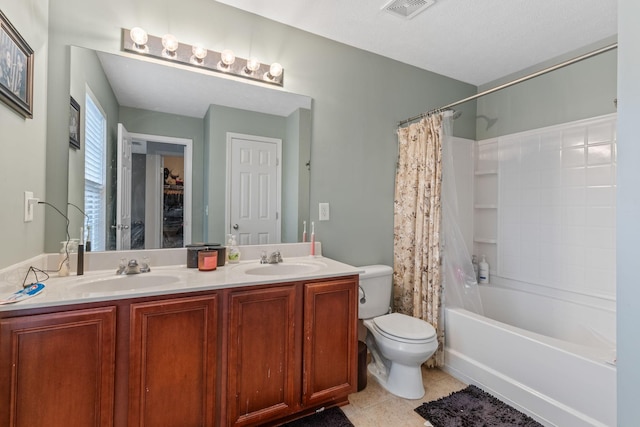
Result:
{"points": [[16, 69], [74, 124]]}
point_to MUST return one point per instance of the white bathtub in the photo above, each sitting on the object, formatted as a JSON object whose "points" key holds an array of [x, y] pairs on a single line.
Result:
{"points": [[559, 368]]}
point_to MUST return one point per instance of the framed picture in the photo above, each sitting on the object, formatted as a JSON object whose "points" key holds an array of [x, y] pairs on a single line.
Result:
{"points": [[74, 124], [16, 69]]}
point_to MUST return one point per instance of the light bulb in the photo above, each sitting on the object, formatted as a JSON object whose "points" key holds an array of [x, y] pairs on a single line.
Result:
{"points": [[199, 52], [139, 36], [252, 65], [227, 57], [275, 70], [170, 44]]}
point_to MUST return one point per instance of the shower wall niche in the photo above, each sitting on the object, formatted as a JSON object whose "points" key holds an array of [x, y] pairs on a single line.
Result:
{"points": [[485, 206]]}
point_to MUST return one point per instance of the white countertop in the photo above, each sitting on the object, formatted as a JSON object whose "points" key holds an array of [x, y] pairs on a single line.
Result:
{"points": [[105, 285]]}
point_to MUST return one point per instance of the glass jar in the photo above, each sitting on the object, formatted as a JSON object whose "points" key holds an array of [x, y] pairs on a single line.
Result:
{"points": [[207, 260]]}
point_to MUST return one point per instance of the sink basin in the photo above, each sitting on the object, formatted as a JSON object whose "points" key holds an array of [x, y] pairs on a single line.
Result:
{"points": [[283, 269], [121, 284]]}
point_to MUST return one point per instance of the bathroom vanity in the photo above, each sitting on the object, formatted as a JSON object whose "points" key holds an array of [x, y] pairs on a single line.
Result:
{"points": [[226, 348]]}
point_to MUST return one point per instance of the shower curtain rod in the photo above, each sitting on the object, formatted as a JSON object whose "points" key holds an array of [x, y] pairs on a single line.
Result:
{"points": [[513, 82]]}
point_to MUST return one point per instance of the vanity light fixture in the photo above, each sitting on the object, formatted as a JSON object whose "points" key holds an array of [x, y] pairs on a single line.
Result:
{"points": [[199, 53], [227, 58], [170, 45], [138, 41], [275, 71], [252, 65], [139, 37]]}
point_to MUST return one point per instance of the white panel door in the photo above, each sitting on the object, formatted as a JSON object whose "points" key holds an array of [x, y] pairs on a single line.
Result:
{"points": [[254, 189], [123, 198]]}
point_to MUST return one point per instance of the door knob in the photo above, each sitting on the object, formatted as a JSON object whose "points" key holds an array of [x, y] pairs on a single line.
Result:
{"points": [[235, 226]]}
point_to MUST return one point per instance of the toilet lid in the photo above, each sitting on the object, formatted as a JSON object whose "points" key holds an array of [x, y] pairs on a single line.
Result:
{"points": [[405, 327]]}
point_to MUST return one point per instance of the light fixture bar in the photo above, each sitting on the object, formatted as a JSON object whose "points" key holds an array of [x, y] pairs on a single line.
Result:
{"points": [[212, 61]]}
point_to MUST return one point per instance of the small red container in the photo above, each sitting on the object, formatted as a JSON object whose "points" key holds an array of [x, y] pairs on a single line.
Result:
{"points": [[207, 260]]}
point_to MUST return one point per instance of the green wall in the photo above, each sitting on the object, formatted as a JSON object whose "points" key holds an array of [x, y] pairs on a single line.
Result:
{"points": [[582, 90], [23, 142]]}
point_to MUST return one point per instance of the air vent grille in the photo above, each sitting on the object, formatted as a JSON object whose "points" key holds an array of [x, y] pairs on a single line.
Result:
{"points": [[407, 8]]}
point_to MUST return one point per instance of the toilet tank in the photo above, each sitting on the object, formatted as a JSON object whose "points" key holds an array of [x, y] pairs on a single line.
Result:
{"points": [[376, 285]]}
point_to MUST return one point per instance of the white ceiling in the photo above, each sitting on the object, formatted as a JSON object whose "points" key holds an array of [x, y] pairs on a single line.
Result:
{"points": [[475, 41]]}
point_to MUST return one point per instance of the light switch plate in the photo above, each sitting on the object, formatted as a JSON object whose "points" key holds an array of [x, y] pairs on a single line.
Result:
{"points": [[28, 207]]}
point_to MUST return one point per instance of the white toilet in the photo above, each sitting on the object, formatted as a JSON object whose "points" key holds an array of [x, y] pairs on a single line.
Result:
{"points": [[399, 344]]}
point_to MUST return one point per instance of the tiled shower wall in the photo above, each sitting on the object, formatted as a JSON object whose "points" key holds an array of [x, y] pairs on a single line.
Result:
{"points": [[544, 208]]}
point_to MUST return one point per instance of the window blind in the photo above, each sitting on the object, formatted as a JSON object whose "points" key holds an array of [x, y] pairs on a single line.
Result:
{"points": [[95, 173]]}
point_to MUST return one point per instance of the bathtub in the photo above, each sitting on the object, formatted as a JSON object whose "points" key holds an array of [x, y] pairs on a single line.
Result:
{"points": [[546, 355]]}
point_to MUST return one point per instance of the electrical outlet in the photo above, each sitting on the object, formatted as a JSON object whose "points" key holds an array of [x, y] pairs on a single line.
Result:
{"points": [[28, 206], [324, 212]]}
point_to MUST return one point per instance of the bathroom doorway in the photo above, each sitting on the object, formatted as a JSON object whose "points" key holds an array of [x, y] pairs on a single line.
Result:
{"points": [[153, 191]]}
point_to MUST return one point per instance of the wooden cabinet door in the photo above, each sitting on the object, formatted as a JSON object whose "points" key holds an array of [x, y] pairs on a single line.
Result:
{"points": [[330, 341], [173, 362], [58, 369], [263, 355]]}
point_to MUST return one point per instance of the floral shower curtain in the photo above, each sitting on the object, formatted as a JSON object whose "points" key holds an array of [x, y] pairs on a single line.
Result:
{"points": [[417, 275]]}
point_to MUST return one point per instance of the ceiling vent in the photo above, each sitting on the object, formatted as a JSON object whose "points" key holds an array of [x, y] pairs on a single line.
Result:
{"points": [[407, 8]]}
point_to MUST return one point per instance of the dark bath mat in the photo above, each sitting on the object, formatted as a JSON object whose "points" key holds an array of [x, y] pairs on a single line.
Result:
{"points": [[473, 407], [332, 417]]}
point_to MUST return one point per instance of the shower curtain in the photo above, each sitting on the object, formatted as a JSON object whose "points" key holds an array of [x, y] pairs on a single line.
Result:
{"points": [[430, 255], [417, 284], [459, 281]]}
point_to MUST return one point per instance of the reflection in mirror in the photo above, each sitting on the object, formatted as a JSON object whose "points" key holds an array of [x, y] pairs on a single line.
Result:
{"points": [[159, 191], [140, 199]]}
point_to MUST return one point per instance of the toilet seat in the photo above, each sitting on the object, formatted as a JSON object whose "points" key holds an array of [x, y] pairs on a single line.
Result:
{"points": [[403, 328]]}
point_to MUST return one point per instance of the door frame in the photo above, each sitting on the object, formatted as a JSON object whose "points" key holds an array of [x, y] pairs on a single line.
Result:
{"points": [[227, 212], [123, 184], [188, 178]]}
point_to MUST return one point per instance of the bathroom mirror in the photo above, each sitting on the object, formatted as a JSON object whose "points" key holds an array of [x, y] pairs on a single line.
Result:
{"points": [[183, 118]]}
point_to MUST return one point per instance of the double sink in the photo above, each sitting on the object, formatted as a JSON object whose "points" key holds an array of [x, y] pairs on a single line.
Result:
{"points": [[163, 277]]}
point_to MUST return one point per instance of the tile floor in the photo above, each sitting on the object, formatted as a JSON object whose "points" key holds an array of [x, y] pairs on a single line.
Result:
{"points": [[375, 407]]}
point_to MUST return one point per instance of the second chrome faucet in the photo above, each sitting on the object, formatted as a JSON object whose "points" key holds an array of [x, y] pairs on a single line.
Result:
{"points": [[273, 258]]}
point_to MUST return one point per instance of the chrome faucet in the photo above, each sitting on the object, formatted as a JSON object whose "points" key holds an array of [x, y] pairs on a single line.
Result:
{"points": [[274, 258], [132, 267]]}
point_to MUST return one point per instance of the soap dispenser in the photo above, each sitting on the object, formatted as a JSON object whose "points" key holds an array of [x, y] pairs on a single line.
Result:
{"points": [[233, 253]]}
